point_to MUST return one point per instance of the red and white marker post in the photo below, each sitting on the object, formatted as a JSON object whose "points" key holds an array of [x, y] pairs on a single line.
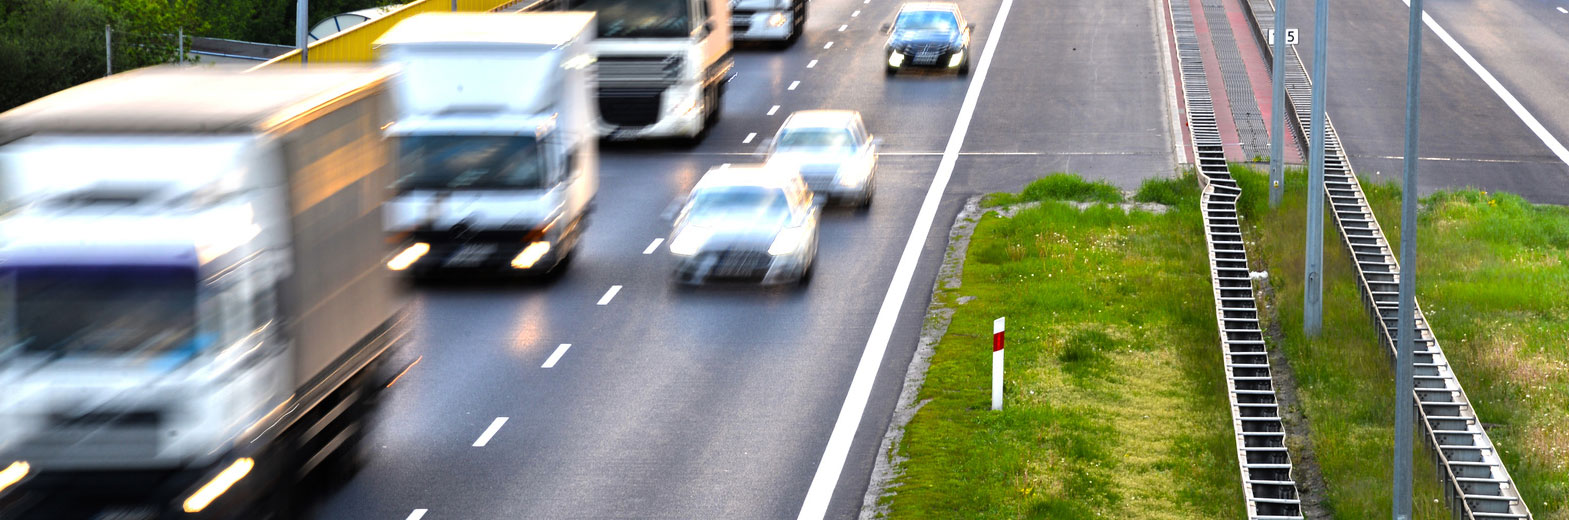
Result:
{"points": [[997, 364]]}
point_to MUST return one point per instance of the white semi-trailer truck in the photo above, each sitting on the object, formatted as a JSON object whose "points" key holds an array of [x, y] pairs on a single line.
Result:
{"points": [[497, 140], [777, 21], [195, 311]]}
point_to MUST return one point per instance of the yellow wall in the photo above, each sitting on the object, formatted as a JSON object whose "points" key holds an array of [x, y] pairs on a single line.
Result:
{"points": [[354, 44]]}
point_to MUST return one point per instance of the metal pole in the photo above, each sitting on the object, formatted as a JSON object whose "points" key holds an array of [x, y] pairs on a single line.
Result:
{"points": [[182, 45], [108, 51], [301, 33], [1313, 290], [454, 5], [1404, 411], [1277, 143]]}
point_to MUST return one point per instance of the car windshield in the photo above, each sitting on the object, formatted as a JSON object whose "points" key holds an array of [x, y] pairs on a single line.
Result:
{"points": [[639, 18], [738, 204], [829, 138], [927, 21], [470, 162], [73, 311]]}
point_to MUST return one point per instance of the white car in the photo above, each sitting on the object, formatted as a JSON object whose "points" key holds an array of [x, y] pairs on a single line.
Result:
{"points": [[746, 222], [833, 151]]}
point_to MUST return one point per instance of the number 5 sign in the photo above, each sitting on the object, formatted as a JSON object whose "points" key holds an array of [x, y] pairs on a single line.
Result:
{"points": [[1291, 36]]}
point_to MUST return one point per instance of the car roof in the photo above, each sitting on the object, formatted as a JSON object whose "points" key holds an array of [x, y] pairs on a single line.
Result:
{"points": [[929, 6], [760, 175], [821, 118]]}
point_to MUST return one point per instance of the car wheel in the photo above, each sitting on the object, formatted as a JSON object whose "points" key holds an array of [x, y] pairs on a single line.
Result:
{"points": [[890, 71], [964, 67]]}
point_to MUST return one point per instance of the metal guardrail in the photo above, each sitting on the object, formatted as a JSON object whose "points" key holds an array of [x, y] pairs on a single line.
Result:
{"points": [[1262, 456], [354, 44], [1476, 483]]}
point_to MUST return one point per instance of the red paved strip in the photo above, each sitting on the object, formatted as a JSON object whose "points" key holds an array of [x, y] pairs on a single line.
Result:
{"points": [[1217, 87], [1258, 74]]}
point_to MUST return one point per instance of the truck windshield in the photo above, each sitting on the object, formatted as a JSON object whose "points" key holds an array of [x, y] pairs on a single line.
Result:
{"points": [[73, 311], [639, 18], [470, 162]]}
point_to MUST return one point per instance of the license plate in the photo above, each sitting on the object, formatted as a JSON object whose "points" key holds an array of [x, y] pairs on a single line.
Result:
{"points": [[926, 60], [623, 134], [470, 255]]}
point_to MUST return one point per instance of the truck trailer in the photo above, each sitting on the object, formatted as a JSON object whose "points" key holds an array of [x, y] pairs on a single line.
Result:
{"points": [[195, 312], [498, 149]]}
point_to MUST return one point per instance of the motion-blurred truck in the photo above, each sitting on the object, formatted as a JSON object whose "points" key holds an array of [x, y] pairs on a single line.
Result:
{"points": [[497, 141], [195, 311]]}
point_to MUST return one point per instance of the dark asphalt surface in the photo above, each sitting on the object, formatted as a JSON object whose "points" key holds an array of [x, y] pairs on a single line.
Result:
{"points": [[1468, 135], [718, 403]]}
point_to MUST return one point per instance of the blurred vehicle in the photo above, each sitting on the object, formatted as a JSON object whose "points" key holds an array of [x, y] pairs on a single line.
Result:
{"points": [[662, 65], [931, 35], [746, 222], [780, 21], [195, 308], [833, 151], [498, 151]]}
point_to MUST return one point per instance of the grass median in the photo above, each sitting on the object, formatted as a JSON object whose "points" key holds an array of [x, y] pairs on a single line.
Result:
{"points": [[1115, 398]]}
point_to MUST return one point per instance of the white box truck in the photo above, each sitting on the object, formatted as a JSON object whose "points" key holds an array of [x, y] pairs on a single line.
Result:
{"points": [[497, 142], [778, 21], [195, 311]]}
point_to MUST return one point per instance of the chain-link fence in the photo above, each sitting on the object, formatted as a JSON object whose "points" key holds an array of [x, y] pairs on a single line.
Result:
{"points": [[126, 50]]}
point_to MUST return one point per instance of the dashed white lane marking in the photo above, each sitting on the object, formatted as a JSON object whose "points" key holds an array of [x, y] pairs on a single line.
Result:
{"points": [[811, 64], [828, 45], [417, 514], [556, 356], [749, 138], [1531, 122], [815, 506], [855, 14], [655, 244], [793, 85], [605, 300], [773, 110], [495, 426], [843, 27], [1562, 10]]}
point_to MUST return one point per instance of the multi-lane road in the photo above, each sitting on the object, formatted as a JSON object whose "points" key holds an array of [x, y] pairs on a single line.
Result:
{"points": [[626, 398]]}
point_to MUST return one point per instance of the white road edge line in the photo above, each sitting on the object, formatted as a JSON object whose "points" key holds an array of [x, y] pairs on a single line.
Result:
{"points": [[773, 110], [793, 85], [749, 138], [605, 300], [1173, 114], [556, 356], [495, 426], [417, 514], [1498, 88], [811, 64], [821, 492]]}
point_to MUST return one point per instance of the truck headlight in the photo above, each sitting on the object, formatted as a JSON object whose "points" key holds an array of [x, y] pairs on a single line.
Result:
{"points": [[13, 474], [218, 485], [408, 256], [895, 59], [777, 20], [958, 57], [689, 241], [530, 255], [789, 241]]}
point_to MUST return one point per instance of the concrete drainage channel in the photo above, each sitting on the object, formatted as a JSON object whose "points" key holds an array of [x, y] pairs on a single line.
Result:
{"points": [[1265, 463], [1475, 480]]}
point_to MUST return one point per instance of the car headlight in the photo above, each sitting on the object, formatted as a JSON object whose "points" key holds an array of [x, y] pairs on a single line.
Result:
{"points": [[958, 57], [776, 20], [895, 59], [789, 241], [689, 241]]}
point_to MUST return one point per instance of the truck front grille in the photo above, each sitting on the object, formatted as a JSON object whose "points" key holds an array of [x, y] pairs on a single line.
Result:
{"points": [[625, 106], [639, 71]]}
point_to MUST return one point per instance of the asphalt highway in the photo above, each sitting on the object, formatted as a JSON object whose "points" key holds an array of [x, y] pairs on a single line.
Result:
{"points": [[611, 394]]}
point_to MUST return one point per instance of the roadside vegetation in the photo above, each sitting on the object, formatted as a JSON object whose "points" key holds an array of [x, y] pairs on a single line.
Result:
{"points": [[1115, 401]]}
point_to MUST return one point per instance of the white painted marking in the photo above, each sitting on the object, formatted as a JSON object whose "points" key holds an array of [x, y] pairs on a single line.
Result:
{"points": [[605, 300], [793, 85], [1172, 113], [1562, 10], [495, 426], [1498, 88], [773, 110], [653, 246], [811, 64], [828, 45], [855, 14], [815, 506], [556, 356], [417, 514], [843, 27], [749, 138]]}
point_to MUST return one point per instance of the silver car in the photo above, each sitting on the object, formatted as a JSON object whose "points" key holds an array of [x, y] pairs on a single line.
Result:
{"points": [[746, 223], [833, 151]]}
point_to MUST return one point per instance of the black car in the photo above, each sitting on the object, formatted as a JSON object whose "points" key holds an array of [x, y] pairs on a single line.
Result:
{"points": [[929, 35]]}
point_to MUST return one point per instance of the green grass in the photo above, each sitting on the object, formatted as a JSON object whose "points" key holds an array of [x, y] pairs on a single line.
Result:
{"points": [[1493, 278], [1060, 186], [1345, 387], [1115, 398]]}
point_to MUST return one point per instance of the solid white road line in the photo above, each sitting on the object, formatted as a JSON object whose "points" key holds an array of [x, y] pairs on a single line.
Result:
{"points": [[828, 45], [556, 356], [821, 492], [749, 138], [773, 110], [652, 246], [605, 300], [811, 64], [417, 514], [1498, 88], [793, 85], [495, 426]]}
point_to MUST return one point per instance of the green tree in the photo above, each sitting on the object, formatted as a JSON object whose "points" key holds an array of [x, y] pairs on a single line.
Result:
{"points": [[48, 45]]}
